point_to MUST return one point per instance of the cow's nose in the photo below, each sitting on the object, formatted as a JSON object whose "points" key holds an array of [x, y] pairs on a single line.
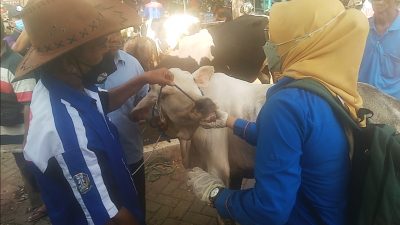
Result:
{"points": [[205, 106]]}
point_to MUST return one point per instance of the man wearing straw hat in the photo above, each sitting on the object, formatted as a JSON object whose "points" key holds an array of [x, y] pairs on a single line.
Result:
{"points": [[74, 148]]}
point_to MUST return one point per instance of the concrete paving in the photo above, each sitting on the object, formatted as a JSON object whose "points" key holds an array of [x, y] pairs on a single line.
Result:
{"points": [[169, 201]]}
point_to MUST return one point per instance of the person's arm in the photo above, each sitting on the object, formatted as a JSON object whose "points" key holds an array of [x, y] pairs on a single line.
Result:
{"points": [[21, 43], [118, 96], [277, 168], [230, 122], [23, 90], [244, 129], [123, 217]]}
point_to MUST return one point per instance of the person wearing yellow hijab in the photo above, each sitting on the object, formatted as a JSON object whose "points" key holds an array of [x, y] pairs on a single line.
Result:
{"points": [[302, 162], [326, 47]]}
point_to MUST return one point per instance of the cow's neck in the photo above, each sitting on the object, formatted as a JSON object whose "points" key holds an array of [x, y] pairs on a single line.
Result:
{"points": [[186, 133]]}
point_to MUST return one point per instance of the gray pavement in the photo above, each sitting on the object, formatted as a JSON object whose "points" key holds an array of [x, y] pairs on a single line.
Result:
{"points": [[169, 202]]}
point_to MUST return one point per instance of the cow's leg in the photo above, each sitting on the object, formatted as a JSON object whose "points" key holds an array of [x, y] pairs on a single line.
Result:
{"points": [[185, 152], [219, 160], [212, 146]]}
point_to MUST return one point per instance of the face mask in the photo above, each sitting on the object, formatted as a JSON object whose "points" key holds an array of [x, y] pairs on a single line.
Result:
{"points": [[274, 61], [19, 25], [99, 73], [271, 52]]}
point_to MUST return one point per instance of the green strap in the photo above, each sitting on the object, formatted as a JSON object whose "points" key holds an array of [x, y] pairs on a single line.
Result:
{"points": [[322, 91]]}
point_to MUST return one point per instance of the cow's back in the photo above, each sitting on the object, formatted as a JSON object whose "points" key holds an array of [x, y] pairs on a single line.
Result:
{"points": [[386, 109]]}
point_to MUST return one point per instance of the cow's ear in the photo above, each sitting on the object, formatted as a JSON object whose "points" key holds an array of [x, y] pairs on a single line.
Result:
{"points": [[203, 75]]}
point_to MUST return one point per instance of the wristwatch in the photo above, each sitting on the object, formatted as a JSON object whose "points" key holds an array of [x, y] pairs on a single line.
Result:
{"points": [[213, 195]]}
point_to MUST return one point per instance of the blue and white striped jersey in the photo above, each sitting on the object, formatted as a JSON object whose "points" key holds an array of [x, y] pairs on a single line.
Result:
{"points": [[76, 155]]}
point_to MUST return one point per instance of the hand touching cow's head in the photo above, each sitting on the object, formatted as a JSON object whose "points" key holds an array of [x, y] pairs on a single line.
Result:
{"points": [[182, 111]]}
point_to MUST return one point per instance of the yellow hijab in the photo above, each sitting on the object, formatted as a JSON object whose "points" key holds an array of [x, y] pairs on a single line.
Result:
{"points": [[331, 55]]}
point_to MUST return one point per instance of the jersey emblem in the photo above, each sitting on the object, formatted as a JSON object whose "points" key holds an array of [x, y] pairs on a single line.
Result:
{"points": [[82, 182]]}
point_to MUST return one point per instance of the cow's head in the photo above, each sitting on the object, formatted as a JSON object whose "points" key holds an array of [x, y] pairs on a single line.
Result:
{"points": [[182, 112]]}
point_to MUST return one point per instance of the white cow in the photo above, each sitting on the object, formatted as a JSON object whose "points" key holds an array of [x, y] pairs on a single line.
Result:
{"points": [[219, 151], [208, 148]]}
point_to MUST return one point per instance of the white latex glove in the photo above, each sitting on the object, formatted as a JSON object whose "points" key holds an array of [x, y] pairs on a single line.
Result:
{"points": [[218, 122], [202, 183]]}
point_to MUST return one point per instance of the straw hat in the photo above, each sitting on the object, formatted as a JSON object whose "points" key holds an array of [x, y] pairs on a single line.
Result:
{"points": [[58, 26]]}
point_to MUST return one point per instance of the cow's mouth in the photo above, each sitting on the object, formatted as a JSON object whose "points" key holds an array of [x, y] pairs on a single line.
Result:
{"points": [[210, 118], [204, 108]]}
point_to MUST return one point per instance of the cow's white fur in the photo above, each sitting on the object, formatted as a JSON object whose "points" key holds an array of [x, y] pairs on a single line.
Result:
{"points": [[201, 41], [230, 154]]}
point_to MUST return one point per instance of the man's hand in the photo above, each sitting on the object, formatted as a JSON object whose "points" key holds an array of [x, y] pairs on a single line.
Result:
{"points": [[218, 122], [202, 183], [119, 95], [159, 76]]}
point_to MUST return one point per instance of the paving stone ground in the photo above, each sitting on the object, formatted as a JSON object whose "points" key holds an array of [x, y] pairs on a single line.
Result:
{"points": [[169, 202]]}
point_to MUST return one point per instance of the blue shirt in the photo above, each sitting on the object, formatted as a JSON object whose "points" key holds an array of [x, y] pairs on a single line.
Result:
{"points": [[380, 66], [77, 159], [129, 132], [301, 164]]}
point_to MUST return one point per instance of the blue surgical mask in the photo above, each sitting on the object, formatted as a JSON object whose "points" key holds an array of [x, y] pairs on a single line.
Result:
{"points": [[19, 25]]}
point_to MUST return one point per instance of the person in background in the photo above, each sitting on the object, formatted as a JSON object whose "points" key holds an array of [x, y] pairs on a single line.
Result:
{"points": [[129, 132], [367, 9], [74, 148], [15, 24], [22, 44], [15, 100], [194, 7], [144, 49], [302, 162], [222, 14], [381, 62], [11, 36], [153, 10]]}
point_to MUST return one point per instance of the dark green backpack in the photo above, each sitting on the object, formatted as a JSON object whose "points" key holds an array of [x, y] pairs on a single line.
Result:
{"points": [[375, 174]]}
